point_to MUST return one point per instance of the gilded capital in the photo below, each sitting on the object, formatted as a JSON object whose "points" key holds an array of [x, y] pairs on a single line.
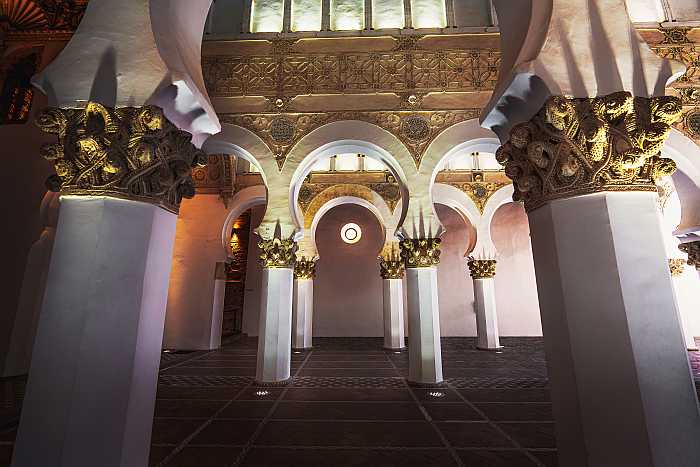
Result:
{"points": [[482, 268], [692, 249], [391, 266], [421, 252], [305, 268], [277, 253], [676, 266], [130, 152], [578, 146]]}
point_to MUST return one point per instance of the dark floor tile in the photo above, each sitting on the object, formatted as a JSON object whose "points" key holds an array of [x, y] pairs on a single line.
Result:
{"points": [[203, 371], [531, 435], [506, 395], [436, 395], [260, 394], [515, 411], [187, 408], [170, 431], [483, 458], [347, 394], [346, 364], [8, 435], [281, 457], [199, 456], [348, 411], [158, 453], [228, 363], [5, 455], [350, 372], [348, 356], [473, 435], [338, 433], [226, 432], [451, 411], [548, 458], [246, 409], [183, 392]]}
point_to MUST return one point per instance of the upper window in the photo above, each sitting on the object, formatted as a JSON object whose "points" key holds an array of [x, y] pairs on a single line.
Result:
{"points": [[645, 11], [266, 15], [306, 15], [347, 15], [428, 13], [387, 14]]}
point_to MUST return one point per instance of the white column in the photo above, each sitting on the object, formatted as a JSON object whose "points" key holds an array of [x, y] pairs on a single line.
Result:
{"points": [[303, 313], [275, 330], [486, 319], [217, 308], [92, 383], [622, 390], [685, 283], [394, 338], [424, 354]]}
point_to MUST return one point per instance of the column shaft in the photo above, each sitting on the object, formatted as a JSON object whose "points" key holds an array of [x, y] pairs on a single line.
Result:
{"points": [[684, 285], [486, 318], [622, 391], [275, 330], [92, 384], [394, 338], [302, 315], [424, 352]]}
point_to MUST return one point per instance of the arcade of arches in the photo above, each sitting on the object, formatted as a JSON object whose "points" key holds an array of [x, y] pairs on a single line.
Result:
{"points": [[441, 232]]}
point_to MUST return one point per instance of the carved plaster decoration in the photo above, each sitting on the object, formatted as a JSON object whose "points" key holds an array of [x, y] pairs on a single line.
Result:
{"points": [[692, 249], [314, 195], [675, 35], [42, 15], [421, 252], [277, 253], [305, 268], [415, 129], [216, 176], [581, 146], [482, 268], [665, 188], [479, 192], [130, 152], [391, 266], [676, 266]]}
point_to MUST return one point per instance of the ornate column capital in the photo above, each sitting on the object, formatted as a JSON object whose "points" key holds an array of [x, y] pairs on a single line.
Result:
{"points": [[130, 152], [482, 268], [578, 146], [692, 249], [421, 252], [391, 266], [676, 266], [305, 268], [277, 253]]}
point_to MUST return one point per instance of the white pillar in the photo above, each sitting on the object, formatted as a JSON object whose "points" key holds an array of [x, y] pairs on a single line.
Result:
{"points": [[217, 308], [685, 283], [92, 383], [622, 390], [424, 354], [303, 313], [275, 330], [394, 338], [486, 319]]}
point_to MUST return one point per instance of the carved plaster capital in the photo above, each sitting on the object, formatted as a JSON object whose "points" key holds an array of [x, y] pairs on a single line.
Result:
{"points": [[676, 266], [692, 249], [131, 152], [305, 268], [482, 268], [391, 265], [421, 252], [577, 146], [277, 253]]}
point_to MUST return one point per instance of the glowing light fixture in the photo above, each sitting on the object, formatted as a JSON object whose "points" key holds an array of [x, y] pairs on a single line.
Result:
{"points": [[262, 393], [351, 233]]}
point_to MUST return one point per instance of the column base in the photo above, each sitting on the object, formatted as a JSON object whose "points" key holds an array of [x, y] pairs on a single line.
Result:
{"points": [[416, 384], [302, 349], [273, 384], [491, 349], [397, 349]]}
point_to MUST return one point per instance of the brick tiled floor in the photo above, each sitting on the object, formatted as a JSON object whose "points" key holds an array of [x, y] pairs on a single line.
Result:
{"points": [[349, 405]]}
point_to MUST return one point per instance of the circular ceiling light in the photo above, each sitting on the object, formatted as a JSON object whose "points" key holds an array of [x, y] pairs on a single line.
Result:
{"points": [[351, 233]]}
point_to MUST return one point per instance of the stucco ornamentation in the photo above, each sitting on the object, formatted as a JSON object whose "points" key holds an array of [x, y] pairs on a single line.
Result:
{"points": [[579, 146], [277, 253], [305, 268], [692, 249], [482, 268], [479, 192], [130, 152], [676, 266], [421, 252], [391, 265]]}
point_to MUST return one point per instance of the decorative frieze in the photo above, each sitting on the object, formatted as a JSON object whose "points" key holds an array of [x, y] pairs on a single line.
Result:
{"points": [[421, 252], [479, 192], [277, 253], [391, 266], [130, 152], [676, 266], [482, 268], [692, 249], [580, 146], [305, 268]]}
